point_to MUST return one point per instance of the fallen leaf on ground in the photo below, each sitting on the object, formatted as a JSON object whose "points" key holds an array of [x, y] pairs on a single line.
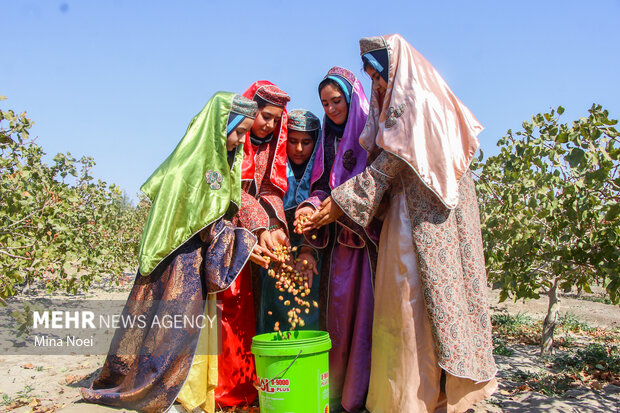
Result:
{"points": [[70, 378], [16, 404]]}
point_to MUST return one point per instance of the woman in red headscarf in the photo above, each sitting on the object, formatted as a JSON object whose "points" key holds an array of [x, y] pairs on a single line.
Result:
{"points": [[263, 186]]}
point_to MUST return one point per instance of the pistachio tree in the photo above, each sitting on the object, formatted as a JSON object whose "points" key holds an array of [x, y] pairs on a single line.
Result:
{"points": [[549, 210], [59, 227]]}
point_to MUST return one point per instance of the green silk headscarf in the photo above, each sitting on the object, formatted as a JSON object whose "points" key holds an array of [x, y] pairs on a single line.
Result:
{"points": [[193, 187]]}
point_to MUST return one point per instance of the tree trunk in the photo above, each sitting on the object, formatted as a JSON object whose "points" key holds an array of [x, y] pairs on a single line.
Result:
{"points": [[546, 345]]}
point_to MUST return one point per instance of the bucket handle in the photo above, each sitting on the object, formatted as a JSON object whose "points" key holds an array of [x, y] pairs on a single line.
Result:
{"points": [[283, 372]]}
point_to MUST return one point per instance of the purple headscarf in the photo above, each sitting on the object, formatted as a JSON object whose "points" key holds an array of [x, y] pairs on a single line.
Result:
{"points": [[351, 156]]}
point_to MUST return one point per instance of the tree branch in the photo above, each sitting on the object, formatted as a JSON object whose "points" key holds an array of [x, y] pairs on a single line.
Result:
{"points": [[13, 256]]}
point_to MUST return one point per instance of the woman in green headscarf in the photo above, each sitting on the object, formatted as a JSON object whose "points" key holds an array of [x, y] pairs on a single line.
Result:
{"points": [[189, 250]]}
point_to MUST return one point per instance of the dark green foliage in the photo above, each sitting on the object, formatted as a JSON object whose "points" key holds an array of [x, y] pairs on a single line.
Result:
{"points": [[59, 228]]}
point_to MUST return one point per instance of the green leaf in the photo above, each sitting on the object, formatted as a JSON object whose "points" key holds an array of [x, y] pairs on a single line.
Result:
{"points": [[575, 157], [612, 212]]}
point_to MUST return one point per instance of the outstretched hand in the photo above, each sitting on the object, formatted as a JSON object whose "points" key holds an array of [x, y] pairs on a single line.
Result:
{"points": [[328, 213], [300, 227], [258, 256], [278, 236], [307, 266], [267, 244]]}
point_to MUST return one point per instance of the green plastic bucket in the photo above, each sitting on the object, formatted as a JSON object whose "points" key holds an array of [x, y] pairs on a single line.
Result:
{"points": [[292, 374]]}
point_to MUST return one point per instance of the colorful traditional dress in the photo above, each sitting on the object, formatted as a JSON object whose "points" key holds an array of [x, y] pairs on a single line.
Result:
{"points": [[263, 186], [189, 249], [349, 256], [298, 177], [431, 315]]}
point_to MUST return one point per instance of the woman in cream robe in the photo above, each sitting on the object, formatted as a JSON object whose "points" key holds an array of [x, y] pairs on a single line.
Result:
{"points": [[431, 341]]}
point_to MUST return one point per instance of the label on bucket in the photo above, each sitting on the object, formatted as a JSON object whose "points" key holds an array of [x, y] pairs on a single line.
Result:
{"points": [[274, 385], [325, 379]]}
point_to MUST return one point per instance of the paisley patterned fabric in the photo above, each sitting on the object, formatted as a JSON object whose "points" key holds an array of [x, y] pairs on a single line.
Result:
{"points": [[451, 262], [146, 367], [260, 199], [450, 268], [252, 215]]}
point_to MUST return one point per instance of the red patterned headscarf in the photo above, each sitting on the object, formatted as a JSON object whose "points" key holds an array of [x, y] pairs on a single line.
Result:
{"points": [[277, 175]]}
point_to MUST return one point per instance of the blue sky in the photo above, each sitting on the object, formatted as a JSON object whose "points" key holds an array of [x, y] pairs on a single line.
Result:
{"points": [[119, 80]]}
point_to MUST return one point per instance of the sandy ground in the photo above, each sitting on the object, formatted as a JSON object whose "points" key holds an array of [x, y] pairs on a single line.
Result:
{"points": [[590, 312], [50, 383]]}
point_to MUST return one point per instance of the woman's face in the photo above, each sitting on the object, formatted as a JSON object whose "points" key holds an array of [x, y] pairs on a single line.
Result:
{"points": [[266, 120], [299, 146], [334, 104], [237, 136], [378, 84]]}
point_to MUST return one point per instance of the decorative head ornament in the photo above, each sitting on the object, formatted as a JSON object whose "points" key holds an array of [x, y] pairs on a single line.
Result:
{"points": [[370, 44], [240, 109], [303, 120], [244, 106], [273, 94]]}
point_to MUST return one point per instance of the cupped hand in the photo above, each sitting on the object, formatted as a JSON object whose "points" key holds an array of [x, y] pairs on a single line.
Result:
{"points": [[266, 242], [328, 213], [307, 266], [258, 256], [305, 210], [278, 236]]}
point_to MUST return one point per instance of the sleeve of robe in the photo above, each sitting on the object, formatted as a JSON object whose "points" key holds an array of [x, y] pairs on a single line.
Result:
{"points": [[360, 196], [270, 198], [228, 250], [251, 215]]}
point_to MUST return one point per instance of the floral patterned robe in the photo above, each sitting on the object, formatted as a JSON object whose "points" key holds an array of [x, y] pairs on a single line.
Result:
{"points": [[431, 311]]}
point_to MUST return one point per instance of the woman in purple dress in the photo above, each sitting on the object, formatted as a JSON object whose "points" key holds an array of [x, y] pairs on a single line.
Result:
{"points": [[349, 261]]}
